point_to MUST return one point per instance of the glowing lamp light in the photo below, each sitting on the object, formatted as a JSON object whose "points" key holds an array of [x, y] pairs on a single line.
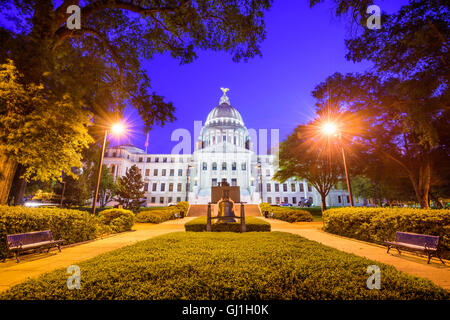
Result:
{"points": [[329, 128], [117, 128]]}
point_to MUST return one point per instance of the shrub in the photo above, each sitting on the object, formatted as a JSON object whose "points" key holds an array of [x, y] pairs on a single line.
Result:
{"points": [[155, 216], [70, 225], [208, 265], [119, 220], [286, 213], [161, 214], [380, 224], [251, 223]]}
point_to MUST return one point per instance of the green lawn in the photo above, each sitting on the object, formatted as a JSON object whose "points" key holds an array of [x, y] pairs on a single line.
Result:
{"points": [[222, 265]]}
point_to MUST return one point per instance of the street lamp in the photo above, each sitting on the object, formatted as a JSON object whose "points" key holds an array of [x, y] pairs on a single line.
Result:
{"points": [[330, 128], [117, 129]]}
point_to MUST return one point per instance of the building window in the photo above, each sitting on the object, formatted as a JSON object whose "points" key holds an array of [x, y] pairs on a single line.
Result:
{"points": [[294, 201], [149, 159], [277, 188], [163, 186], [146, 187], [179, 186], [205, 166], [277, 200], [302, 188], [172, 172], [233, 166], [269, 200], [233, 181], [214, 166], [214, 182], [170, 188], [285, 200], [114, 155], [293, 187], [285, 188], [169, 200], [155, 172], [161, 200], [348, 199], [178, 199], [267, 172], [154, 187], [244, 166], [180, 172], [224, 166], [181, 160], [140, 159], [309, 188], [156, 159], [164, 160], [310, 200], [269, 187], [339, 199], [172, 160], [147, 172], [163, 172], [153, 200]]}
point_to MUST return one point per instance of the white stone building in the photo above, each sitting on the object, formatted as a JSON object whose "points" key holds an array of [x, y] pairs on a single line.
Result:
{"points": [[223, 151]]}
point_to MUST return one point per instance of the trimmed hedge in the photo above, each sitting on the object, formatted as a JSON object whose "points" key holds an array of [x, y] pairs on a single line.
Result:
{"points": [[161, 214], [119, 220], [70, 225], [251, 223], [380, 224], [208, 265], [286, 213]]}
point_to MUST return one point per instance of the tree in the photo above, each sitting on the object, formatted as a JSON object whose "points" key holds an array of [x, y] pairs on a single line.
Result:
{"points": [[130, 189], [306, 154], [43, 133], [99, 65], [404, 101], [107, 189]]}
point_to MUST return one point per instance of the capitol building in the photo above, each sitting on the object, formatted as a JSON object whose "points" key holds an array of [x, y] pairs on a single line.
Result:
{"points": [[223, 150]]}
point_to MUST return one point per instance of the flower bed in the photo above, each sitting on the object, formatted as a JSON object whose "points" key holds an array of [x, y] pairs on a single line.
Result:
{"points": [[251, 224]]}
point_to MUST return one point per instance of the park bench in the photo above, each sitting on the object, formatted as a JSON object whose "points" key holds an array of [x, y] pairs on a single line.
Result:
{"points": [[416, 242], [21, 242]]}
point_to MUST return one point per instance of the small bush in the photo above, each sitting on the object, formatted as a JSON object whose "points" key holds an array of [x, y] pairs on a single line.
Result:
{"points": [[162, 214], [119, 220], [155, 216], [380, 224], [286, 213], [251, 224]]}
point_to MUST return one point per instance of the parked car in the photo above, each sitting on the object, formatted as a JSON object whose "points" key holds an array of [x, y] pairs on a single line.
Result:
{"points": [[286, 205], [305, 203]]}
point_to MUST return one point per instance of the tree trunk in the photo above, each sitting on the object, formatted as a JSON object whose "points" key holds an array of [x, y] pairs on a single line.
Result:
{"points": [[8, 168], [324, 202], [21, 186]]}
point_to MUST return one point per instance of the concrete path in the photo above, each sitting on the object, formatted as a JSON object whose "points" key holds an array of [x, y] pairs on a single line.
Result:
{"points": [[406, 262], [33, 265]]}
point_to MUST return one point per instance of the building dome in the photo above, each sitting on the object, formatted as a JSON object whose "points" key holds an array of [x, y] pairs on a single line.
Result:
{"points": [[224, 113], [224, 124]]}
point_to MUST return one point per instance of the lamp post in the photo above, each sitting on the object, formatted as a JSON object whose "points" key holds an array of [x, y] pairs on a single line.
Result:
{"points": [[330, 129], [117, 129]]}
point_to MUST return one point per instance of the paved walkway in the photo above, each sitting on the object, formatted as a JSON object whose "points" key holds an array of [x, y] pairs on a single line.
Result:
{"points": [[406, 262], [33, 265]]}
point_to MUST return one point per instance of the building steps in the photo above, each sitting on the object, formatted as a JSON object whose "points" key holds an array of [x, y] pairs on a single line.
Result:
{"points": [[199, 210]]}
